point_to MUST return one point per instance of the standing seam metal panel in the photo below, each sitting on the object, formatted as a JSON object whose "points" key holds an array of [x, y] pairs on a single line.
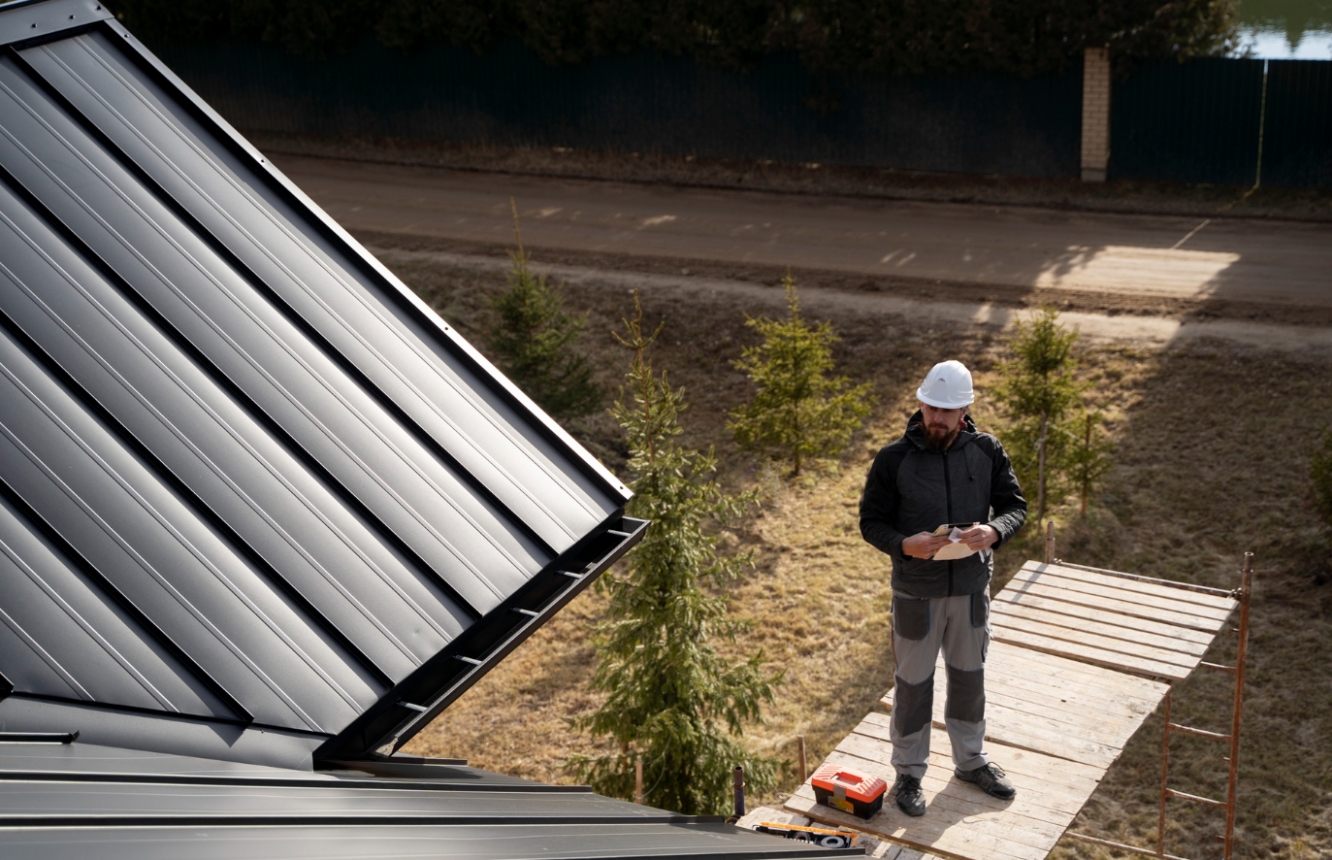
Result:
{"points": [[219, 314], [245, 476], [97, 473], [225, 196], [138, 377], [97, 645]]}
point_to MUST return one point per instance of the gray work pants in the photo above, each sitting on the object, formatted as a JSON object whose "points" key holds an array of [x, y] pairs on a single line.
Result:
{"points": [[961, 626]]}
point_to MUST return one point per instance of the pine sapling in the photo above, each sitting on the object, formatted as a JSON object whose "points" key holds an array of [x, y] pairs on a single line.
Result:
{"points": [[1038, 387], [1088, 457], [798, 411], [672, 701], [534, 341]]}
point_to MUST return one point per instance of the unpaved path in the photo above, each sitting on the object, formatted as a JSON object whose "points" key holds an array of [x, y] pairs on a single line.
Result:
{"points": [[1152, 255], [1139, 330]]}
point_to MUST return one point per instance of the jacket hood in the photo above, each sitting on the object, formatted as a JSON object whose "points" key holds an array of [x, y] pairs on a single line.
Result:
{"points": [[915, 431]]}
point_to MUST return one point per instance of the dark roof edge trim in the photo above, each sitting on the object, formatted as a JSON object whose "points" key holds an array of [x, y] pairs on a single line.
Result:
{"points": [[50, 17], [418, 699], [161, 733], [415, 820], [480, 364], [157, 714]]}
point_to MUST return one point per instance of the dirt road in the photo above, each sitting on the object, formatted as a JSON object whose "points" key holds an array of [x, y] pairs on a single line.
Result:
{"points": [[1221, 261]]}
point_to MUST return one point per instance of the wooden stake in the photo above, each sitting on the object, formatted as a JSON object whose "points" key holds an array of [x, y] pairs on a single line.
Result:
{"points": [[638, 781], [804, 768], [1086, 485], [1049, 542], [1241, 654], [1040, 471], [1165, 778]]}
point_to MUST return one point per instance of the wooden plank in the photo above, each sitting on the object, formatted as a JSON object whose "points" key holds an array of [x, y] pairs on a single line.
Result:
{"points": [[1143, 601], [1016, 660], [942, 838], [1027, 732], [1047, 675], [1046, 799], [1066, 701], [1109, 604], [1127, 631], [1038, 766], [1126, 583], [1071, 674], [1136, 665], [1035, 602], [875, 725], [1047, 708], [1065, 706], [961, 821], [1050, 671], [959, 828], [1016, 657], [1095, 640], [1056, 734]]}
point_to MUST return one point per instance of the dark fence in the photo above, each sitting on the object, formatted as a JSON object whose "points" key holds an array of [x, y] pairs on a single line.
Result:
{"points": [[974, 123], [1201, 122], [1297, 134], [1194, 122]]}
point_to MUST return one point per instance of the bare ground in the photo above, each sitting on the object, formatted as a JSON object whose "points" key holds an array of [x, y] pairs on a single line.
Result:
{"points": [[1125, 196], [1213, 436]]}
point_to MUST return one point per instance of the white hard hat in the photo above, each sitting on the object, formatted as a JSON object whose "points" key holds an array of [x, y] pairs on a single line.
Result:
{"points": [[947, 386]]}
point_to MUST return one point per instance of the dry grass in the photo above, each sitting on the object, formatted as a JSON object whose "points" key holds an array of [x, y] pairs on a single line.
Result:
{"points": [[1212, 460]]}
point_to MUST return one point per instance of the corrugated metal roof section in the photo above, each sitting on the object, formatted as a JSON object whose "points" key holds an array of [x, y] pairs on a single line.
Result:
{"points": [[246, 475], [77, 799]]}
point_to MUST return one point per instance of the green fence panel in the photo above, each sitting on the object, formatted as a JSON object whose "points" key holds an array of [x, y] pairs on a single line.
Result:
{"points": [[1297, 137], [972, 123], [1191, 122]]}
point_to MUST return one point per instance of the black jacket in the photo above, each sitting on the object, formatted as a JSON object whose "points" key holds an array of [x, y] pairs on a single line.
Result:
{"points": [[911, 489]]}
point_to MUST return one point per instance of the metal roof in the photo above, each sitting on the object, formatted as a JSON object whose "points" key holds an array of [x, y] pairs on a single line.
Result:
{"points": [[257, 501], [65, 800]]}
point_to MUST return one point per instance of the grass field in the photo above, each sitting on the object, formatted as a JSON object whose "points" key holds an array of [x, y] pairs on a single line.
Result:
{"points": [[1213, 447]]}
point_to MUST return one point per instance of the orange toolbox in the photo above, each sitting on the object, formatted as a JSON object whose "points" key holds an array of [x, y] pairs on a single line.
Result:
{"points": [[843, 789]]}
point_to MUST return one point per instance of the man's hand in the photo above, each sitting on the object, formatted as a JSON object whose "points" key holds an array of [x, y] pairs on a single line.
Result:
{"points": [[978, 537], [924, 545]]}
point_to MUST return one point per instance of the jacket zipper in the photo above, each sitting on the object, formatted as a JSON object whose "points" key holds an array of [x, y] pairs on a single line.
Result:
{"points": [[948, 503]]}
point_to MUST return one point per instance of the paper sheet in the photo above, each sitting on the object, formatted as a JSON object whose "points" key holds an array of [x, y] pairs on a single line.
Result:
{"points": [[956, 549]]}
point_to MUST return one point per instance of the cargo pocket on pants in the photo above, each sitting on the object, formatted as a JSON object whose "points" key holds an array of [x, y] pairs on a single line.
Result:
{"points": [[911, 617], [980, 608]]}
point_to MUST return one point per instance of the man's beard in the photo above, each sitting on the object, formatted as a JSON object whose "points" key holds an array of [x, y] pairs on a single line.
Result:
{"points": [[938, 438]]}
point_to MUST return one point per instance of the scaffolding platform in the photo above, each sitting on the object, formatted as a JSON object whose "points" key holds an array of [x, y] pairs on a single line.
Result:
{"points": [[1078, 660]]}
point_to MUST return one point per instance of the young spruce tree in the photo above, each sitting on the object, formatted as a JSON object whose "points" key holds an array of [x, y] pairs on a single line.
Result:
{"points": [[797, 412], [533, 341], [1088, 456], [672, 700], [1039, 390]]}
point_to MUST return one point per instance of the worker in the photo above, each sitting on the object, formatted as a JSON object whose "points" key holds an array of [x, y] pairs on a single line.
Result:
{"points": [[945, 476]]}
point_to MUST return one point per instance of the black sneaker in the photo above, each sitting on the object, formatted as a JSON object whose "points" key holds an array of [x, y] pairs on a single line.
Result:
{"points": [[910, 799], [990, 779]]}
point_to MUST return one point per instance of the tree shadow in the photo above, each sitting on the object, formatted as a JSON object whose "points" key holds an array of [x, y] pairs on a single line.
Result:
{"points": [[1213, 440]]}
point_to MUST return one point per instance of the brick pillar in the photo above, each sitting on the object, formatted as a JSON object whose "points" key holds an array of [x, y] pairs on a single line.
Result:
{"points": [[1095, 114]]}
